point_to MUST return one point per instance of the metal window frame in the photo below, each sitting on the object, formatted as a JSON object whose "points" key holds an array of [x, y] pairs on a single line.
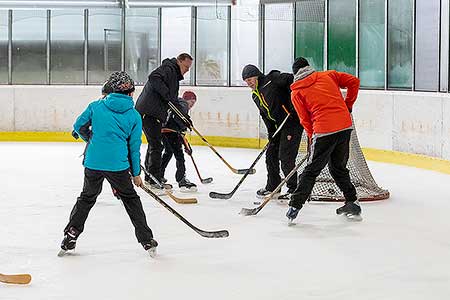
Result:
{"points": [[193, 78], [229, 46], [413, 34], [48, 47], [386, 49], [357, 38], [325, 37], [10, 20], [261, 38], [86, 46]]}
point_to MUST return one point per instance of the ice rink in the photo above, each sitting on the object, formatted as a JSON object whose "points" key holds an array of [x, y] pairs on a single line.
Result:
{"points": [[401, 250]]}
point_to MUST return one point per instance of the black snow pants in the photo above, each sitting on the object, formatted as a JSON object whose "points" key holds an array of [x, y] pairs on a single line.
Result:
{"points": [[332, 150], [121, 182]]}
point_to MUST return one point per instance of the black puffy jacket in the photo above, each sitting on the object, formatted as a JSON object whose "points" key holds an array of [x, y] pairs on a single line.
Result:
{"points": [[162, 86], [272, 93]]}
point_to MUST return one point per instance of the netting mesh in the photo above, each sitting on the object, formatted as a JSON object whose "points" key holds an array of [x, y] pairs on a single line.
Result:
{"points": [[326, 189]]}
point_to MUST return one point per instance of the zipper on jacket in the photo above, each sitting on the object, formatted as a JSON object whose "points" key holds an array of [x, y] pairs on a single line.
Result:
{"points": [[263, 103]]}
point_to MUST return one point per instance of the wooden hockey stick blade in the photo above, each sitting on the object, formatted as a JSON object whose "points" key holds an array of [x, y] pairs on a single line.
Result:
{"points": [[168, 193], [204, 233], [254, 211], [15, 279], [181, 200]]}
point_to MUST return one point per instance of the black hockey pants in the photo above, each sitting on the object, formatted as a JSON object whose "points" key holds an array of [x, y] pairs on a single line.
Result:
{"points": [[121, 182], [283, 148], [332, 150], [172, 146]]}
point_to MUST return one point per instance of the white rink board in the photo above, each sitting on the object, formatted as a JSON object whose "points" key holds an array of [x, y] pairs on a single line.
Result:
{"points": [[414, 122]]}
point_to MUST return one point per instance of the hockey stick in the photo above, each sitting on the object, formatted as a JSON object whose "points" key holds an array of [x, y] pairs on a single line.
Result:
{"points": [[237, 171], [254, 211], [187, 145], [203, 233], [174, 198], [15, 279], [230, 194]]}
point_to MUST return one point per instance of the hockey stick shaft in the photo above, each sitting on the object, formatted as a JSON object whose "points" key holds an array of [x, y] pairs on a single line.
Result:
{"points": [[208, 234], [229, 195], [191, 126], [187, 145], [176, 199], [254, 211]]}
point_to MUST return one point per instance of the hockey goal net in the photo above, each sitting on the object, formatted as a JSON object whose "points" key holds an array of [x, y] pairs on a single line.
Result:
{"points": [[326, 189]]}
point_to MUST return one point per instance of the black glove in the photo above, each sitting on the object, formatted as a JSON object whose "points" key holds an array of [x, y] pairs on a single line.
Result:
{"points": [[189, 122], [75, 135]]}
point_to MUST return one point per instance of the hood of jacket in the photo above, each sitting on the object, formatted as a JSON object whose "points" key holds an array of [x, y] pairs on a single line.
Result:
{"points": [[305, 82], [119, 103], [172, 63]]}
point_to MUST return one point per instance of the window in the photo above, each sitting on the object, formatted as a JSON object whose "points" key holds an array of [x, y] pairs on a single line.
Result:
{"points": [[309, 32], [104, 45], [141, 43], [341, 36], [244, 40], [400, 13], [212, 58], [176, 34], [67, 46], [3, 46], [371, 43], [29, 47], [426, 65], [278, 28]]}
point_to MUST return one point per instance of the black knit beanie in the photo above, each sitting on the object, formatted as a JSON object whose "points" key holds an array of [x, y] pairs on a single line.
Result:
{"points": [[250, 71], [299, 63], [121, 82]]}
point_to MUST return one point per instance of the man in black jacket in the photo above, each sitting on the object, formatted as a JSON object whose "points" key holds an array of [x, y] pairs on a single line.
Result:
{"points": [[272, 95], [153, 104]]}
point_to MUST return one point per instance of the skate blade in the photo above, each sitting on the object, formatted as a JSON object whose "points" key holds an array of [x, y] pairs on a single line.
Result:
{"points": [[291, 222], [186, 190], [62, 252], [354, 218], [152, 252]]}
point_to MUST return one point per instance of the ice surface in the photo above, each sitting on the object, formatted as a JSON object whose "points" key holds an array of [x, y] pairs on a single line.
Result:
{"points": [[400, 251]]}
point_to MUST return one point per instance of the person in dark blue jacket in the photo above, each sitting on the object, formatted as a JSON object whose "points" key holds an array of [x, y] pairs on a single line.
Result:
{"points": [[112, 152]]}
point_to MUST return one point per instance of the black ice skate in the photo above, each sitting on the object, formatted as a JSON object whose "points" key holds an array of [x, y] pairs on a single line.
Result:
{"points": [[150, 247], [158, 189], [187, 186], [69, 241], [352, 210], [263, 192]]}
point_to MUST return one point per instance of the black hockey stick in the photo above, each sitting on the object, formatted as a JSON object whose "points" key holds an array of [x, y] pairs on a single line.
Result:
{"points": [[187, 145], [230, 194], [254, 211], [168, 193], [203, 233], [191, 126]]}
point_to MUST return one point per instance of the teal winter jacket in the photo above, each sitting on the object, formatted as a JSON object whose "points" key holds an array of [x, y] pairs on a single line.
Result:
{"points": [[115, 138]]}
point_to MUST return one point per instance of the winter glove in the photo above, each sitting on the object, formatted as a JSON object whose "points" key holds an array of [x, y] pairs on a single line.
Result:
{"points": [[75, 135]]}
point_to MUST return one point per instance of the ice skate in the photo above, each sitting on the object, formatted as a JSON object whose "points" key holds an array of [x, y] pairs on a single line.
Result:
{"points": [[352, 210], [150, 247], [69, 241], [187, 186]]}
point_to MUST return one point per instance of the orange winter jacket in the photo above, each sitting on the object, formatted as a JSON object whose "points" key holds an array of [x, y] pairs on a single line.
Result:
{"points": [[319, 103]]}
